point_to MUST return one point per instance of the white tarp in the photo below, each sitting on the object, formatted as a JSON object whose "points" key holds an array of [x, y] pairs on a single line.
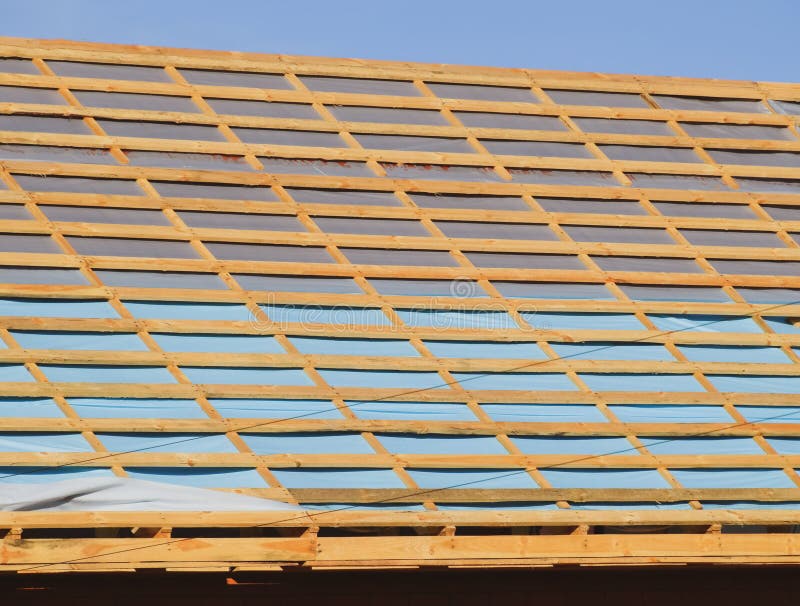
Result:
{"points": [[123, 494]]}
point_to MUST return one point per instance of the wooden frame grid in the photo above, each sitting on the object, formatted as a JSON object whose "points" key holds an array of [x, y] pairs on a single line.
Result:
{"points": [[746, 216]]}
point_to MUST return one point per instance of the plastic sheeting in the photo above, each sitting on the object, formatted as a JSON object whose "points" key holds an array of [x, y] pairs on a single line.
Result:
{"points": [[289, 137], [686, 266], [74, 69], [738, 131], [14, 373], [426, 411], [666, 413], [116, 216], [526, 260], [650, 154], [125, 494], [441, 444], [246, 376], [648, 382], [596, 207], [57, 308], [219, 343], [129, 247], [136, 408], [459, 319], [15, 212], [702, 446], [206, 477], [64, 373], [687, 182], [441, 172], [307, 477], [39, 408], [544, 413], [732, 478], [515, 381], [708, 237], [35, 243], [469, 202], [343, 196], [546, 320], [472, 478], [569, 445], [509, 121], [526, 350], [501, 231], [710, 294], [361, 86], [41, 275], [166, 442], [238, 408], [307, 443], [181, 310], [735, 353], [251, 221], [215, 191], [605, 478], [24, 441], [587, 97], [562, 177], [415, 143], [354, 347], [704, 323], [611, 351], [553, 290], [770, 414], [21, 94], [536, 148], [462, 289], [778, 186], [223, 78], [159, 103], [382, 379], [624, 127], [264, 109], [710, 104], [375, 227], [425, 258], [49, 153], [388, 115], [159, 279], [188, 160], [269, 252], [317, 314], [638, 235], [298, 284], [161, 130], [120, 187], [480, 92], [698, 209], [79, 340], [44, 124], [18, 66], [302, 166], [755, 383]]}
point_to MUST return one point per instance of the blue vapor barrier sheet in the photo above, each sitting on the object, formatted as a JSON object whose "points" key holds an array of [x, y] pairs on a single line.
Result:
{"points": [[29, 407], [166, 442], [381, 379], [354, 347], [218, 343], [55, 308], [751, 505], [734, 353], [246, 376], [472, 478], [546, 320], [604, 478], [515, 381], [702, 446], [425, 411], [15, 373], [309, 477], [649, 382], [629, 506], [208, 477], [485, 349], [755, 383], [136, 408], [395, 506], [611, 351], [732, 478], [786, 446], [35, 475], [665, 413], [770, 414], [169, 310], [544, 413], [19, 441], [573, 445], [704, 323], [307, 443], [456, 319], [242, 408], [79, 340], [441, 444], [782, 325], [316, 314], [59, 373]]}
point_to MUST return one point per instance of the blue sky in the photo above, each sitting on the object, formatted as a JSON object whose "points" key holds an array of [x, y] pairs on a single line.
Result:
{"points": [[696, 38]]}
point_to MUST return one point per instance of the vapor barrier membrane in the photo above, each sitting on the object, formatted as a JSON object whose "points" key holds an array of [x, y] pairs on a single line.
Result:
{"points": [[20, 441], [38, 408], [354, 347], [79, 340], [184, 310], [309, 477], [482, 93], [216, 191], [509, 121], [441, 444], [239, 408], [115, 216], [546, 320], [159, 103], [207, 77], [64, 373], [45, 124], [472, 478], [733, 478], [403, 411], [666, 413], [23, 94], [166, 442], [57, 308], [136, 408], [317, 314], [604, 478], [648, 382], [41, 275], [81, 185], [307, 443], [214, 375], [18, 66], [485, 349], [124, 494], [544, 413], [207, 477]]}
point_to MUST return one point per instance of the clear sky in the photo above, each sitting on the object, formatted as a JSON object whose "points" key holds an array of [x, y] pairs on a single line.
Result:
{"points": [[755, 39]]}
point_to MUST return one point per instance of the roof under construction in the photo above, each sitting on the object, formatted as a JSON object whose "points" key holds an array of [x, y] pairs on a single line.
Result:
{"points": [[262, 311]]}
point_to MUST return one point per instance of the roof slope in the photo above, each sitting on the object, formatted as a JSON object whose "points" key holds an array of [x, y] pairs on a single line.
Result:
{"points": [[409, 296]]}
